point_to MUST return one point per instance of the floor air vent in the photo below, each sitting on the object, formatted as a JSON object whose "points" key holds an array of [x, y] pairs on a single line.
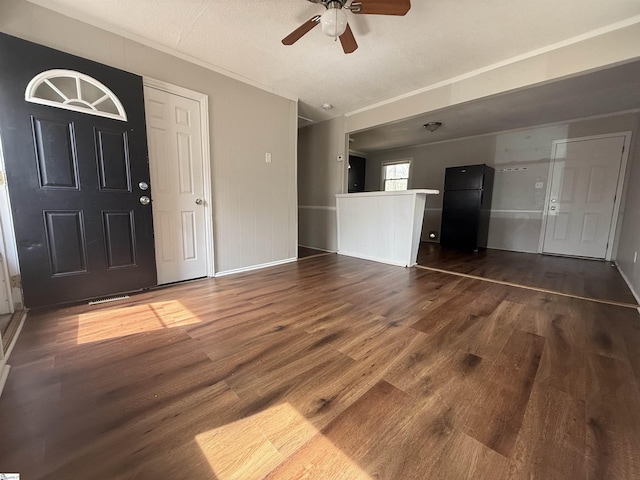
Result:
{"points": [[108, 299]]}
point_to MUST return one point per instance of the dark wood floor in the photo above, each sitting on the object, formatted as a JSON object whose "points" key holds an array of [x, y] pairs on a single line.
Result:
{"points": [[574, 276], [328, 368]]}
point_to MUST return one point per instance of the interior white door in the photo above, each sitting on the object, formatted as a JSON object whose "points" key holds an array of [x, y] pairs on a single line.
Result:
{"points": [[584, 180], [177, 185]]}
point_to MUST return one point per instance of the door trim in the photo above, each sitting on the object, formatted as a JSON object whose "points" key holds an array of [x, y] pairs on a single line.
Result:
{"points": [[616, 206], [5, 284], [203, 100], [9, 238]]}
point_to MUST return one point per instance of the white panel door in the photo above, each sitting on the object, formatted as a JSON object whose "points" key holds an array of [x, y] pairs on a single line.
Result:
{"points": [[176, 166], [584, 180]]}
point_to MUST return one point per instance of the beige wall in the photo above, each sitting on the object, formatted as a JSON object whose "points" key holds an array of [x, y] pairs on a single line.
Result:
{"points": [[516, 216], [254, 204], [629, 239], [320, 178]]}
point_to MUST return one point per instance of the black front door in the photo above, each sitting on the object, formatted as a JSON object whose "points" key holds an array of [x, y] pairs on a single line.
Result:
{"points": [[73, 179]]}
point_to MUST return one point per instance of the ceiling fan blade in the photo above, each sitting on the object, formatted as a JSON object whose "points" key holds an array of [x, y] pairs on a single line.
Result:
{"points": [[381, 7], [348, 41], [299, 32]]}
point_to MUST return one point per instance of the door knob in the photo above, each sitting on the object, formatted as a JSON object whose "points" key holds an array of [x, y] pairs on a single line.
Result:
{"points": [[199, 201], [553, 207], [553, 200], [143, 185], [144, 200]]}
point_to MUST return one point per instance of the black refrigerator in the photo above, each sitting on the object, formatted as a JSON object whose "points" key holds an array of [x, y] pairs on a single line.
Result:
{"points": [[466, 207]]}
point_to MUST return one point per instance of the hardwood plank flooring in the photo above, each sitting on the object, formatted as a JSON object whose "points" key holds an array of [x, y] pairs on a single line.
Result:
{"points": [[328, 368], [573, 276]]}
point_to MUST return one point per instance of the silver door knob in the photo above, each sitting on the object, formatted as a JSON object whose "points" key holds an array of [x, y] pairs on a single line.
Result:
{"points": [[199, 201], [143, 185], [553, 200], [553, 207], [144, 200]]}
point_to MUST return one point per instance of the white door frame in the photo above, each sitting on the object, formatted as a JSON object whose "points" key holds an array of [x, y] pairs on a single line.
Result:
{"points": [[8, 238], [203, 100], [618, 200], [5, 284]]}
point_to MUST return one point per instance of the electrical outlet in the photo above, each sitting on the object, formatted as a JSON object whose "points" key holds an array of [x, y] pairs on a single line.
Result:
{"points": [[267, 157], [539, 184]]}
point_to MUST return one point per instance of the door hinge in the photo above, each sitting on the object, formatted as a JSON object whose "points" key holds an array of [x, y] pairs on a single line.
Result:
{"points": [[15, 281]]}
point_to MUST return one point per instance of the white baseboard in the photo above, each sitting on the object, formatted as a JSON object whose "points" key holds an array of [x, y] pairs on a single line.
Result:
{"points": [[15, 337], [490, 247], [373, 259], [255, 267], [316, 248], [628, 282], [4, 366], [4, 373]]}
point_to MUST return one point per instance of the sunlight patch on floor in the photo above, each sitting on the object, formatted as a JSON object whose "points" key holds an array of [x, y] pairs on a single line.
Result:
{"points": [[279, 439], [108, 323]]}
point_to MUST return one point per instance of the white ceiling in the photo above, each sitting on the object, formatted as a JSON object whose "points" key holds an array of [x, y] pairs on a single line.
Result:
{"points": [[434, 42], [604, 92]]}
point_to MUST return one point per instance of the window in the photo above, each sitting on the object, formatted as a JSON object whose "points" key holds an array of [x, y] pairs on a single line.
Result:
{"points": [[74, 91], [395, 175]]}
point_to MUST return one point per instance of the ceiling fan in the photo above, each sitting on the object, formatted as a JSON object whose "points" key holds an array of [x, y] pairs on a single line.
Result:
{"points": [[334, 19]]}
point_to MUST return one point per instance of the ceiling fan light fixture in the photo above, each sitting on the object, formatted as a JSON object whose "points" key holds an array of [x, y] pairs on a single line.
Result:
{"points": [[334, 20]]}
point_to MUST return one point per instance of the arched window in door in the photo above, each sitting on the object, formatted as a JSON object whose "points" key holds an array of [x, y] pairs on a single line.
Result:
{"points": [[74, 91]]}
